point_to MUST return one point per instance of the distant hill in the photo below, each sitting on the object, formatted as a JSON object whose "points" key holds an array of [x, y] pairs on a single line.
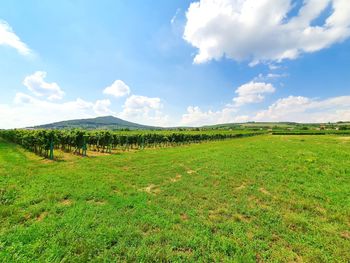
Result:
{"points": [[114, 123], [107, 122], [254, 125]]}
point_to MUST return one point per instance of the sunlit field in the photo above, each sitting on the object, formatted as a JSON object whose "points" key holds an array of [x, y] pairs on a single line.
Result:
{"points": [[267, 198]]}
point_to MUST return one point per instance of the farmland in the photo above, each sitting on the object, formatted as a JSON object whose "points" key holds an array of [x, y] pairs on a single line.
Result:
{"points": [[266, 198]]}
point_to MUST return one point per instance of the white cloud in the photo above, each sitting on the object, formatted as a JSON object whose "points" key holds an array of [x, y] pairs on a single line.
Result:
{"points": [[101, 107], [273, 66], [196, 117], [144, 110], [252, 92], [270, 76], [117, 89], [143, 102], [173, 19], [292, 108], [28, 111], [36, 84], [303, 109], [9, 38], [263, 31], [22, 98]]}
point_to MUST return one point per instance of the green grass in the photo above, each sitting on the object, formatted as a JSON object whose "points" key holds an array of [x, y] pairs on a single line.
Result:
{"points": [[258, 199]]}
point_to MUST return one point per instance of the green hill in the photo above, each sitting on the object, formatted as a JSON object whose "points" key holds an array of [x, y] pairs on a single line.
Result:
{"points": [[107, 122]]}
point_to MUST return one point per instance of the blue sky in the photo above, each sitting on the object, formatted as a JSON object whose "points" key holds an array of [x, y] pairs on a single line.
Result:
{"points": [[174, 63]]}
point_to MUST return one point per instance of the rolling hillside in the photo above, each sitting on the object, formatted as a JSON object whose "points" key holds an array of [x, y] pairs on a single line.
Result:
{"points": [[107, 122]]}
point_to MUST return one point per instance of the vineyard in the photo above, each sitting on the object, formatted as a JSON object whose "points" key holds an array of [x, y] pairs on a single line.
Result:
{"points": [[44, 142]]}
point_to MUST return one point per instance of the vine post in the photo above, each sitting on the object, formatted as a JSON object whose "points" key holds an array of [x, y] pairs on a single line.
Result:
{"points": [[51, 149], [84, 146]]}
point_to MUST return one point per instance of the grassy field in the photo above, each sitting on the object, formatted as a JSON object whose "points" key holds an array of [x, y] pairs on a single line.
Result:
{"points": [[258, 199]]}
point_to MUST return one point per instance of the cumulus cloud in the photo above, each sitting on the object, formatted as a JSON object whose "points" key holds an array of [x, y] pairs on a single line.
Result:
{"points": [[28, 111], [9, 38], [142, 102], [195, 116], [292, 108], [303, 109], [252, 92], [117, 89], [144, 109], [101, 107], [36, 84], [38, 108], [264, 30]]}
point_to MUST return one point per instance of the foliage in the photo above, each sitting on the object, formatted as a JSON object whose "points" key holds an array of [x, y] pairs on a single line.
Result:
{"points": [[78, 140]]}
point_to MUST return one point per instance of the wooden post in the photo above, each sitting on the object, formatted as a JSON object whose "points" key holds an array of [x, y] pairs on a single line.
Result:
{"points": [[84, 147], [51, 150]]}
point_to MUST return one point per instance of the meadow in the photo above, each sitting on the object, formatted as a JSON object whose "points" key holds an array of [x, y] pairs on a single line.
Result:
{"points": [[267, 198]]}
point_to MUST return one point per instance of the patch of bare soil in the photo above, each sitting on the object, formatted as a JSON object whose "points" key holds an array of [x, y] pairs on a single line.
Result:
{"points": [[66, 202], [242, 218], [96, 153], [151, 189], [264, 191], [241, 187], [42, 216], [184, 217], [183, 250], [96, 202], [345, 234], [176, 178], [343, 138]]}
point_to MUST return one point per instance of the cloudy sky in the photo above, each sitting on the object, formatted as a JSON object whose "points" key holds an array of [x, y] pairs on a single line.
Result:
{"points": [[174, 62]]}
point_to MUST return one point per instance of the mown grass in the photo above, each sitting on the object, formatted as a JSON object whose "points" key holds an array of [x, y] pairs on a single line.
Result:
{"points": [[258, 199]]}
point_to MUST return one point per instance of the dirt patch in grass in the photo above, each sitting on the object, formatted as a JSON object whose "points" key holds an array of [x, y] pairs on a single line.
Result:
{"points": [[46, 160], [250, 235], [241, 187], [183, 250], [345, 234], [343, 138], [96, 153], [126, 168], [320, 210], [220, 214], [176, 178], [66, 202], [184, 217], [96, 201], [242, 218], [255, 202], [116, 191], [151, 189], [42, 216], [264, 191]]}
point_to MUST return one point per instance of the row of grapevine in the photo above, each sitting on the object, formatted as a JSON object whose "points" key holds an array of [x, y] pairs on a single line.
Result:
{"points": [[43, 142]]}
